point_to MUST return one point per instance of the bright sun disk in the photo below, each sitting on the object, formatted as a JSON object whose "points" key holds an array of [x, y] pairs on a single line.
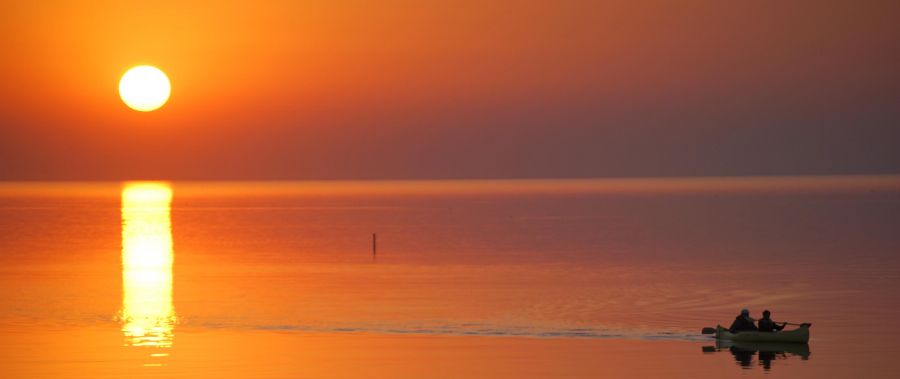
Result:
{"points": [[144, 88]]}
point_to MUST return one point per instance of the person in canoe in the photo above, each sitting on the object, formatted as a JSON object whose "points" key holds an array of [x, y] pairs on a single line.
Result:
{"points": [[743, 322], [767, 325]]}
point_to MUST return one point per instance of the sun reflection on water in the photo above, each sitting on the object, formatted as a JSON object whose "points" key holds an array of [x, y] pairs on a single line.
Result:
{"points": [[147, 314]]}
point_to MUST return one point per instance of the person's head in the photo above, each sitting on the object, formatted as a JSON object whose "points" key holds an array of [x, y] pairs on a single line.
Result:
{"points": [[745, 312], [766, 313]]}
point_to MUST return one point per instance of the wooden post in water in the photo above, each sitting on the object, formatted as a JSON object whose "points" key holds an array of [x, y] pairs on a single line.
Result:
{"points": [[373, 244]]}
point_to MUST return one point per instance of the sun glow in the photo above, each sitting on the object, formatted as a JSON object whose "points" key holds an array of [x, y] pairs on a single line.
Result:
{"points": [[147, 315], [144, 88]]}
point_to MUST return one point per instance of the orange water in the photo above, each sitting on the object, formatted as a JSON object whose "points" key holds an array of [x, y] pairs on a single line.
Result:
{"points": [[490, 279]]}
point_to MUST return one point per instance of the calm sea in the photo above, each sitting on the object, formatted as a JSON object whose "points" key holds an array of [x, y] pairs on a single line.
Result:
{"points": [[560, 278]]}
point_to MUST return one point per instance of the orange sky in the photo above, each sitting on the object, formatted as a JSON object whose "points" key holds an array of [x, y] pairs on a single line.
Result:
{"points": [[462, 89]]}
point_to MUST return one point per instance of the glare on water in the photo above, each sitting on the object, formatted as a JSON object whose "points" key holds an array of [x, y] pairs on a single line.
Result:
{"points": [[147, 314]]}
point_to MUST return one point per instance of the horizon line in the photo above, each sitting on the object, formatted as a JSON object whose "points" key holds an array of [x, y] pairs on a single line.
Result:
{"points": [[461, 179]]}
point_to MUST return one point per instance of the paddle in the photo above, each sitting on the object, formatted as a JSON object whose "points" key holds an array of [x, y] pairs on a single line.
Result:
{"points": [[709, 330]]}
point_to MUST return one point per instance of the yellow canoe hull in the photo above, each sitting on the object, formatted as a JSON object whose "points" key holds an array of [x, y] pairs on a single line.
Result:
{"points": [[799, 335]]}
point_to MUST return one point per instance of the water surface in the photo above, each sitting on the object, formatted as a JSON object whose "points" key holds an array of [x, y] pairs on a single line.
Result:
{"points": [[505, 278]]}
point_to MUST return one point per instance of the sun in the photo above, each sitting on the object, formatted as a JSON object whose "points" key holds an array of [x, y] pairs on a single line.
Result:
{"points": [[144, 88]]}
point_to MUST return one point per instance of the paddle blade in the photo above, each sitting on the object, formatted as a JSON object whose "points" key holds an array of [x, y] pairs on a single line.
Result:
{"points": [[709, 330]]}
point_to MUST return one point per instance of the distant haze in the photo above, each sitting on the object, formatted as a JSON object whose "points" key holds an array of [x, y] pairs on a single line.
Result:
{"points": [[457, 89]]}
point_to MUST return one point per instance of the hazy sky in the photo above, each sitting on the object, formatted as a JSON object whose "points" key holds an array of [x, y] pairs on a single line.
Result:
{"points": [[452, 89]]}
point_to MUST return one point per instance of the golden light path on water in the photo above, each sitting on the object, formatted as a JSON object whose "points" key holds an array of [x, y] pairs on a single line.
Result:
{"points": [[147, 314]]}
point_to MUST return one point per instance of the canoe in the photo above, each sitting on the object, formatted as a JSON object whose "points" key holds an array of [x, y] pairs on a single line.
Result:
{"points": [[799, 335]]}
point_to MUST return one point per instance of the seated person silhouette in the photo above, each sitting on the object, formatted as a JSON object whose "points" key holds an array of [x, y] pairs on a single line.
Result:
{"points": [[767, 325], [743, 323]]}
